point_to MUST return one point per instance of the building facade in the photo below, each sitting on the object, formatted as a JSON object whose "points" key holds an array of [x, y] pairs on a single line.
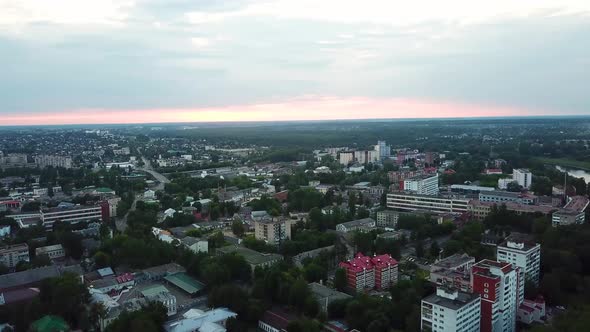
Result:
{"points": [[365, 273], [43, 161], [523, 253], [273, 230], [422, 185], [53, 252], [10, 256], [387, 218], [451, 310], [523, 177], [436, 204], [498, 285]]}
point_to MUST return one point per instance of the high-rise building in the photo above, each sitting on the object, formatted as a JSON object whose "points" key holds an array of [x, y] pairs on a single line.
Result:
{"points": [[422, 185], [498, 285], [524, 253], [523, 177], [451, 310], [383, 150]]}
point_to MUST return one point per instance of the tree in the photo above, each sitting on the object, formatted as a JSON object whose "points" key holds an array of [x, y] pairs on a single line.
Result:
{"points": [[147, 319], [419, 249], [340, 281], [434, 249], [237, 228], [102, 259]]}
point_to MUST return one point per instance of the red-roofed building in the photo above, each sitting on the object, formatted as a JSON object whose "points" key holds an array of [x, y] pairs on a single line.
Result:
{"points": [[282, 196], [491, 171], [364, 272]]}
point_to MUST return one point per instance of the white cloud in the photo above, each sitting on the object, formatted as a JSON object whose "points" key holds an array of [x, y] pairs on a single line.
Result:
{"points": [[19, 12], [200, 42], [395, 12]]}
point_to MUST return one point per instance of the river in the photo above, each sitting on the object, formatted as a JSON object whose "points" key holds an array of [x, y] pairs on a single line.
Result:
{"points": [[577, 173]]}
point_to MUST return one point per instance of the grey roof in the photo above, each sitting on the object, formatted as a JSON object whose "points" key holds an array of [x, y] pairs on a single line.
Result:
{"points": [[358, 222], [321, 292], [35, 275], [189, 240], [462, 300]]}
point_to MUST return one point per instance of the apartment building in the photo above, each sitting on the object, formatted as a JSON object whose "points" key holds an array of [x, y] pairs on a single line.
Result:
{"points": [[453, 271], [523, 177], [364, 272], [43, 161], [451, 310], [498, 285], [426, 184], [387, 218], [273, 230], [10, 256], [519, 250]]}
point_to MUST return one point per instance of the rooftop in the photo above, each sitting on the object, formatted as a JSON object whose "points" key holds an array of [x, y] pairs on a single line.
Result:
{"points": [[321, 292], [453, 261], [252, 257], [359, 222], [185, 282], [462, 299]]}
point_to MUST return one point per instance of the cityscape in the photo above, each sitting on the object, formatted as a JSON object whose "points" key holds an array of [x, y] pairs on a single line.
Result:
{"points": [[294, 166]]}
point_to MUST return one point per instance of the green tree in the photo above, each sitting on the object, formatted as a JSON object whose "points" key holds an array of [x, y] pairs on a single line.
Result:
{"points": [[340, 281], [237, 228]]}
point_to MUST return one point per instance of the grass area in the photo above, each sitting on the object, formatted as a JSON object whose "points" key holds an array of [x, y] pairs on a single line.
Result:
{"points": [[565, 162]]}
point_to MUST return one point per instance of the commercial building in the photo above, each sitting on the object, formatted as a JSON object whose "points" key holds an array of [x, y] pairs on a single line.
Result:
{"points": [[43, 161], [498, 285], [53, 252], [325, 295], [253, 258], [362, 225], [573, 213], [501, 197], [523, 177], [387, 218], [480, 210], [519, 250], [273, 230], [436, 204], [198, 320], [451, 310], [453, 271], [422, 184], [159, 293], [364, 273], [68, 214], [10, 256]]}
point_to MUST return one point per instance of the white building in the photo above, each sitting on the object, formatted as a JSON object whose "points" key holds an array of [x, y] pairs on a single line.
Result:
{"points": [[503, 183], [195, 245], [346, 157], [451, 310], [523, 253], [53, 160], [523, 177], [436, 204], [383, 150], [362, 225], [422, 185]]}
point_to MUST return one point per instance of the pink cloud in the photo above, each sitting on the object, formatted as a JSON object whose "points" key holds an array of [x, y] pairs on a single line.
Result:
{"points": [[304, 108]]}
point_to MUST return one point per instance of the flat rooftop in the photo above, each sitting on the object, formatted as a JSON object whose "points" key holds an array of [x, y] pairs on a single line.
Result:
{"points": [[252, 257], [462, 300], [454, 261]]}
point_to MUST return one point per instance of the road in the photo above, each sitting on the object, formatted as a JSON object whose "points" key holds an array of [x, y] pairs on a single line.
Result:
{"points": [[121, 223]]}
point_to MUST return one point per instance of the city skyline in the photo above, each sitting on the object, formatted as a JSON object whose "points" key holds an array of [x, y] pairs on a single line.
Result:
{"points": [[145, 61]]}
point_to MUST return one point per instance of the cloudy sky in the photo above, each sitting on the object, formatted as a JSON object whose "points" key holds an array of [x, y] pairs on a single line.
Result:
{"points": [[129, 61]]}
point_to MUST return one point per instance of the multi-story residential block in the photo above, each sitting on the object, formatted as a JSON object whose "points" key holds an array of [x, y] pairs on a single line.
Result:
{"points": [[12, 255], [422, 185], [362, 225], [43, 161], [436, 204], [363, 272], [273, 230], [521, 251], [53, 252], [523, 177], [383, 150], [387, 218], [451, 310], [453, 271], [363, 157], [498, 285]]}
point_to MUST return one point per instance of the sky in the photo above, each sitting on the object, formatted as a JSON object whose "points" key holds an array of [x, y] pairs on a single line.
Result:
{"points": [[153, 61]]}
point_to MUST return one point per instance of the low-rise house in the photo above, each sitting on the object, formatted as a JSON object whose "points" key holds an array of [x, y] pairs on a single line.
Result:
{"points": [[203, 321], [159, 293], [53, 252], [195, 245], [325, 295], [253, 258], [361, 225]]}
